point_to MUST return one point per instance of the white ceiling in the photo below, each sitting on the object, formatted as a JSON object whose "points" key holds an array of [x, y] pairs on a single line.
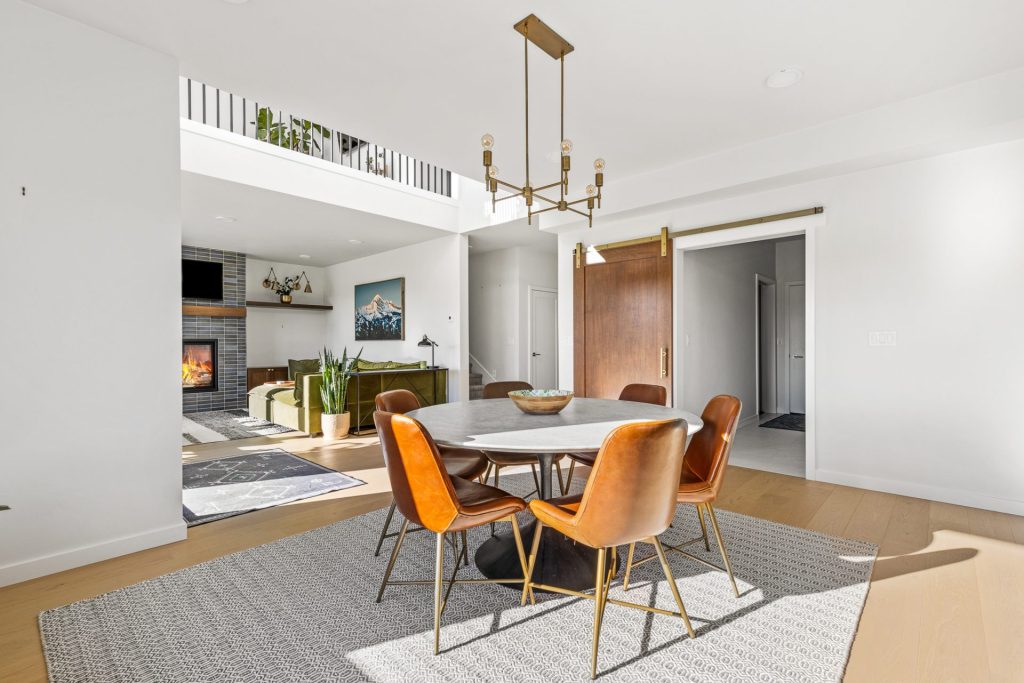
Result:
{"points": [[650, 83], [280, 227], [512, 234]]}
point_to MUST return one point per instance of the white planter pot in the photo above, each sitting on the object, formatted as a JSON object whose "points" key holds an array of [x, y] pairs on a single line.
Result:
{"points": [[335, 426]]}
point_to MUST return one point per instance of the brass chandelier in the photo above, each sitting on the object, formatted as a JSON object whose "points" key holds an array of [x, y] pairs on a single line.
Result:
{"points": [[540, 34]]}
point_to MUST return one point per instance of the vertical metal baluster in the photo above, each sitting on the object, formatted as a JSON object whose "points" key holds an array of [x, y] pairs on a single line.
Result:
{"points": [[244, 115], [190, 99]]}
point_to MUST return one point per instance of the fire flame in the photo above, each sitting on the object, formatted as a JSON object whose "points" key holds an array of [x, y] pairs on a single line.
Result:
{"points": [[196, 371]]}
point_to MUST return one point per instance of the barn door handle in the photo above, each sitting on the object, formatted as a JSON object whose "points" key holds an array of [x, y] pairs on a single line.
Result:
{"points": [[664, 362]]}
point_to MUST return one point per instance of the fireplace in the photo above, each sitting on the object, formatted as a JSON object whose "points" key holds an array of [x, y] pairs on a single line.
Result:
{"points": [[198, 365]]}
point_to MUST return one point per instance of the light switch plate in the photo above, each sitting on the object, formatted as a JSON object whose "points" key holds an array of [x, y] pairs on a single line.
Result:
{"points": [[881, 339]]}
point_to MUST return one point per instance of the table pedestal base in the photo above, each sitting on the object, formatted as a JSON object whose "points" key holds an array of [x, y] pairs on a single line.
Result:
{"points": [[560, 561]]}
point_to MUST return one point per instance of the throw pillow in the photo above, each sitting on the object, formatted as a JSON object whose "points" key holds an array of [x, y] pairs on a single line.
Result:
{"points": [[297, 369]]}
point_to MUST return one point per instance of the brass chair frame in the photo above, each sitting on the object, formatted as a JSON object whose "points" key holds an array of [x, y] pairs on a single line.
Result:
{"points": [[602, 583], [461, 559], [678, 548]]}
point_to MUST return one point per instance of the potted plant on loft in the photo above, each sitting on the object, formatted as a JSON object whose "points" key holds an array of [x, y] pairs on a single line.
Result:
{"points": [[335, 420]]}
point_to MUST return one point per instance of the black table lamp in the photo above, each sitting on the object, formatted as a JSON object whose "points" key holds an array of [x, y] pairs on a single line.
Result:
{"points": [[432, 344]]}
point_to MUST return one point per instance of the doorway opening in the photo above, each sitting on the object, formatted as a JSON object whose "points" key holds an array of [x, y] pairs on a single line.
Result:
{"points": [[743, 333]]}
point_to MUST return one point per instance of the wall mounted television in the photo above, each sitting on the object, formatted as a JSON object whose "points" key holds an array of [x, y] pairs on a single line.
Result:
{"points": [[202, 280]]}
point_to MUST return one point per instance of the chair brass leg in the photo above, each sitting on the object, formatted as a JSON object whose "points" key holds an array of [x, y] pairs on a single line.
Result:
{"points": [[568, 479], [438, 583], [703, 527], [527, 588], [672, 584], [629, 567], [387, 525], [561, 481], [599, 599], [394, 556], [522, 555], [721, 547]]}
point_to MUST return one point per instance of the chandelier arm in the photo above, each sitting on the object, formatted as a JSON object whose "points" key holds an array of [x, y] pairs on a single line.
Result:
{"points": [[511, 196], [585, 215], [508, 185], [550, 208], [549, 201], [579, 201], [547, 187]]}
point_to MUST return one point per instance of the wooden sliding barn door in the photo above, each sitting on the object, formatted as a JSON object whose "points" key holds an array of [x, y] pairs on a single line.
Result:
{"points": [[622, 310]]}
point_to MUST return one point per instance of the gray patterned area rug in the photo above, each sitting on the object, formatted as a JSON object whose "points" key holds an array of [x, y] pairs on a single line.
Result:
{"points": [[302, 609], [225, 425], [225, 487]]}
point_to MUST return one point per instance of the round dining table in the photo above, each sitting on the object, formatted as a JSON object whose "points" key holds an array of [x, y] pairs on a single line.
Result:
{"points": [[497, 425]]}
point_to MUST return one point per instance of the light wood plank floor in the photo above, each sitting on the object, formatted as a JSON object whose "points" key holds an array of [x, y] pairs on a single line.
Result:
{"points": [[946, 599]]}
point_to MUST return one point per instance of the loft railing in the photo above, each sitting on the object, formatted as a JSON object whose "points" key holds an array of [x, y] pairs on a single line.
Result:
{"points": [[260, 121]]}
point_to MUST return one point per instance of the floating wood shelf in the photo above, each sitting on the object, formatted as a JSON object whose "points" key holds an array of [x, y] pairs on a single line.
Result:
{"points": [[278, 304], [214, 311]]}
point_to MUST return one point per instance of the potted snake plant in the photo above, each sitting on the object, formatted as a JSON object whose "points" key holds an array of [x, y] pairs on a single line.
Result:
{"points": [[335, 420]]}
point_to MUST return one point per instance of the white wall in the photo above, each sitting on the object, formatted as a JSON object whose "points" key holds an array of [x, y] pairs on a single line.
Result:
{"points": [[717, 314], [929, 249], [499, 307], [274, 335], [789, 267], [436, 300], [91, 458]]}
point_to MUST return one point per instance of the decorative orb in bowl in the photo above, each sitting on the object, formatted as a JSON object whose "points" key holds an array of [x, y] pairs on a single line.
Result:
{"points": [[540, 401]]}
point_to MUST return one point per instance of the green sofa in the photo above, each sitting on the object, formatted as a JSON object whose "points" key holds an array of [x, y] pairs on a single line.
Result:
{"points": [[281, 406]]}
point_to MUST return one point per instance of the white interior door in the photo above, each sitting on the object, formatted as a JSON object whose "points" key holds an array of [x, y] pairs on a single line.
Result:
{"points": [[543, 338], [797, 369]]}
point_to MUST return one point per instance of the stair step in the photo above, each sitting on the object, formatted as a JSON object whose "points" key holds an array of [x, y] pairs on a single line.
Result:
{"points": [[476, 392], [476, 378]]}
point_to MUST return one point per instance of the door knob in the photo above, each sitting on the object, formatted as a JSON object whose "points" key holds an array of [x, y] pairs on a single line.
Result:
{"points": [[534, 354], [796, 355]]}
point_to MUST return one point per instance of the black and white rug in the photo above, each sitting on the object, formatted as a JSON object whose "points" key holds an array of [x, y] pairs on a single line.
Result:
{"points": [[793, 422], [225, 487], [225, 425], [302, 609]]}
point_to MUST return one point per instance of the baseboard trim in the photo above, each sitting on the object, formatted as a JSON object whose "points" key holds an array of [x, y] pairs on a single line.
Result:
{"points": [[77, 557], [936, 493], [747, 421]]}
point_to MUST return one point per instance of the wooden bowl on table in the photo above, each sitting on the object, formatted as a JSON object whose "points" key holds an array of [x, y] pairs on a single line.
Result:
{"points": [[540, 401]]}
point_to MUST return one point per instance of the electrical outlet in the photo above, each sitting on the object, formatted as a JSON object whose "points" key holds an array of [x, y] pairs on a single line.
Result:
{"points": [[881, 339]]}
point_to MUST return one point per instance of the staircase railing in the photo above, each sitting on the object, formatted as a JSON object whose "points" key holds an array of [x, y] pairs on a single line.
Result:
{"points": [[258, 120]]}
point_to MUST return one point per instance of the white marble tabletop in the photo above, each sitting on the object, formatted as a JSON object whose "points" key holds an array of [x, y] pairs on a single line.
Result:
{"points": [[498, 425]]}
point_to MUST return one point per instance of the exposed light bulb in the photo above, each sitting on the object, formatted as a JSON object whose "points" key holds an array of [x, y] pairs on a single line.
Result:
{"points": [[566, 147], [487, 141], [591, 190], [599, 165], [492, 171]]}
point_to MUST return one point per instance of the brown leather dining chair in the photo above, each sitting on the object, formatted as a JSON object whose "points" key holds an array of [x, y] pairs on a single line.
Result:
{"points": [[458, 462], [654, 394], [704, 466], [500, 460], [630, 496], [426, 495]]}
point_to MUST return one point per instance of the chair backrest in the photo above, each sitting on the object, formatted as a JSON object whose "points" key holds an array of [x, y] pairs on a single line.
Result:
{"points": [[708, 452], [421, 486], [501, 389], [396, 401], [644, 393], [631, 492]]}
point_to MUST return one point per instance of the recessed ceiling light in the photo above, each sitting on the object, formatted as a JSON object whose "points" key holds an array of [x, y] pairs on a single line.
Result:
{"points": [[783, 78], [305, 256], [355, 241], [227, 219]]}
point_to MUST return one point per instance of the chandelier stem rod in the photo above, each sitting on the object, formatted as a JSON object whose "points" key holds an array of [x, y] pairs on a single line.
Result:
{"points": [[526, 81], [561, 130]]}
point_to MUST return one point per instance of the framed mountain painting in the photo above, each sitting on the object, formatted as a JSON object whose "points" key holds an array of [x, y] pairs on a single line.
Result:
{"points": [[380, 310]]}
